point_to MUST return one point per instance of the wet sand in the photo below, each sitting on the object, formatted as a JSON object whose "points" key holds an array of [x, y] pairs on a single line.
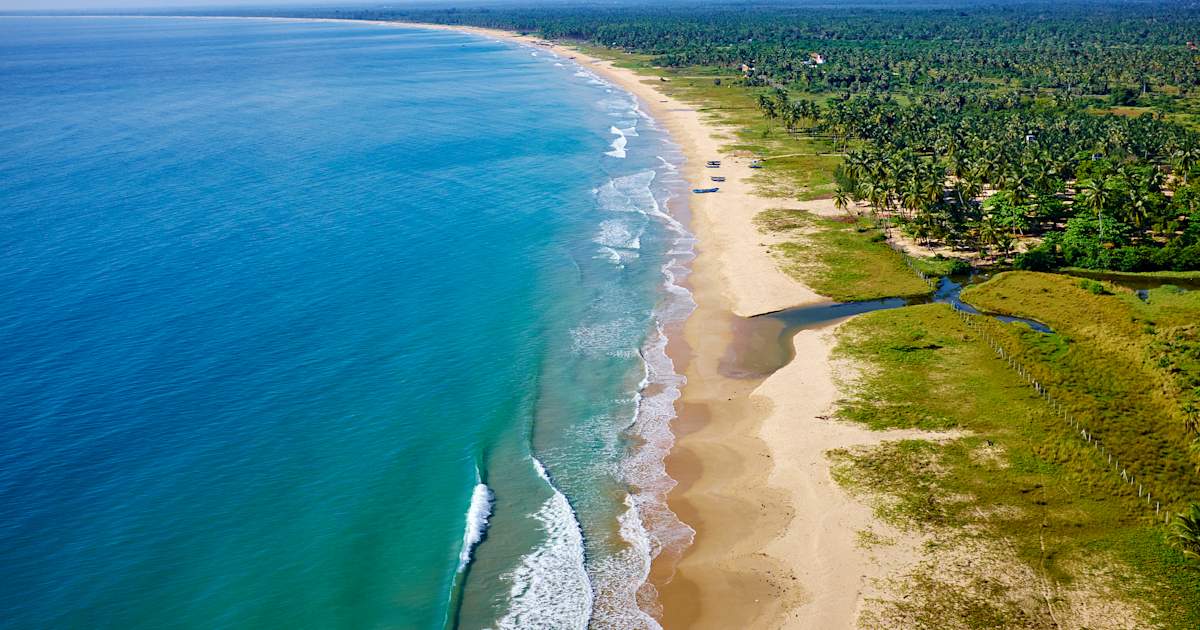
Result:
{"points": [[776, 540]]}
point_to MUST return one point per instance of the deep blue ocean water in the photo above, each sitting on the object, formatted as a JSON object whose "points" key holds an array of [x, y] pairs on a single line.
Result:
{"points": [[326, 325]]}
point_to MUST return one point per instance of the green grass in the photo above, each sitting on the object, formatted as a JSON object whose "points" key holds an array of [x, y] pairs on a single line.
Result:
{"points": [[1129, 369], [1152, 275], [844, 261], [1018, 475], [940, 265], [796, 164]]}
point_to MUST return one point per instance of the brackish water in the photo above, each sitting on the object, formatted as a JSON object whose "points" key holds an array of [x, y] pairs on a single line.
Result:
{"points": [[321, 325], [764, 342]]}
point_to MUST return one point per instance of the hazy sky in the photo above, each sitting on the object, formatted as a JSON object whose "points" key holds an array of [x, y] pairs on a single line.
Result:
{"points": [[58, 5]]}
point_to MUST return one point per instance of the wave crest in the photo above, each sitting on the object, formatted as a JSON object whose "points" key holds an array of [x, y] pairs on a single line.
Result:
{"points": [[550, 587], [477, 522]]}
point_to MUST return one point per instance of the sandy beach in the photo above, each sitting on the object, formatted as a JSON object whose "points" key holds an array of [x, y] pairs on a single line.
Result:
{"points": [[776, 538]]}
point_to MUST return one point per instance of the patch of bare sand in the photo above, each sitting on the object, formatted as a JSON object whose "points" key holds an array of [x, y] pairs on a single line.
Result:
{"points": [[832, 571]]}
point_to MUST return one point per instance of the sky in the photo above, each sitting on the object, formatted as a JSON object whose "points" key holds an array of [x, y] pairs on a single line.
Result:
{"points": [[58, 5]]}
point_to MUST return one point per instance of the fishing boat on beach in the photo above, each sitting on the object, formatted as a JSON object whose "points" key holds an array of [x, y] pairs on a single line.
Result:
{"points": [[717, 178], [713, 164], [700, 191]]}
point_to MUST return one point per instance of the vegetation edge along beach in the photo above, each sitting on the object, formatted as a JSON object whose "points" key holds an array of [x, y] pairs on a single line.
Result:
{"points": [[931, 465], [1000, 516]]}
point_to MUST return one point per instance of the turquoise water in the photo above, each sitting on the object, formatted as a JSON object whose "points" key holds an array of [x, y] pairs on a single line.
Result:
{"points": [[327, 325]]}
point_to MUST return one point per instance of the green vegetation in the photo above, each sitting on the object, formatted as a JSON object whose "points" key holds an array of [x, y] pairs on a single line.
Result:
{"points": [[844, 260], [1131, 368], [1051, 134], [1018, 483], [1186, 531], [1048, 135], [1183, 276]]}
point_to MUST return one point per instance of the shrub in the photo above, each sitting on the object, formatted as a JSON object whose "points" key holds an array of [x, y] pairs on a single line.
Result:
{"points": [[1040, 258], [1185, 532]]}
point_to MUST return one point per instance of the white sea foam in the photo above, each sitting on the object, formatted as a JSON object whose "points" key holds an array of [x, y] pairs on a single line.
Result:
{"points": [[619, 105], [605, 339], [624, 597], [619, 234], [629, 129], [618, 147], [630, 193], [618, 257], [477, 522], [623, 594], [550, 588]]}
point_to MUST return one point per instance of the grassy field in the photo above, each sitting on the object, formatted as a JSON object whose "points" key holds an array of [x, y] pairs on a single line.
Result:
{"points": [[1129, 369], [1024, 524], [844, 260], [1018, 495], [1184, 276]]}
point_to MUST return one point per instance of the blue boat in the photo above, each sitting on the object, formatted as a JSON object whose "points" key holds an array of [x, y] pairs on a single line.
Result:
{"points": [[704, 190]]}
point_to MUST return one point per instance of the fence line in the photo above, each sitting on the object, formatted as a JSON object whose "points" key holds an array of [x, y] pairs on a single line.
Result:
{"points": [[932, 281], [1082, 432], [1112, 463]]}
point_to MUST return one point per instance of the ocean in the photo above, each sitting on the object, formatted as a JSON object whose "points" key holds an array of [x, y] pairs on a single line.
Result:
{"points": [[329, 325]]}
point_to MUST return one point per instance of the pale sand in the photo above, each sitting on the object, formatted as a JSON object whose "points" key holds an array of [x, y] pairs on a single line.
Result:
{"points": [[776, 542], [776, 538]]}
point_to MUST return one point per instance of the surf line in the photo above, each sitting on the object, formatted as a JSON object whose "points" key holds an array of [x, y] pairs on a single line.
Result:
{"points": [[475, 530]]}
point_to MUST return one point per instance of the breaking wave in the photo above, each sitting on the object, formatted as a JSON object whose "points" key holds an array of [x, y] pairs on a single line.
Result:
{"points": [[550, 588], [477, 521]]}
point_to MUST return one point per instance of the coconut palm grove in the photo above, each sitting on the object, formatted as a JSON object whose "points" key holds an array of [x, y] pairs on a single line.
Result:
{"points": [[1007, 193], [1035, 134]]}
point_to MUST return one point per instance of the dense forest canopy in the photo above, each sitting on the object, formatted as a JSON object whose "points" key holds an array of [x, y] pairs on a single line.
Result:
{"points": [[1065, 129]]}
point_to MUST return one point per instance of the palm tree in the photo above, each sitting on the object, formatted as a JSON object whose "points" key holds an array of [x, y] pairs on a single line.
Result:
{"points": [[1185, 532], [1186, 160], [790, 117], [1143, 197], [841, 200], [987, 235], [1095, 195], [767, 106], [911, 197]]}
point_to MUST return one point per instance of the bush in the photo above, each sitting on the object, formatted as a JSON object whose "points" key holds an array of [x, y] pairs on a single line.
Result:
{"points": [[1123, 96], [1185, 258], [1041, 258], [1133, 259], [1093, 286]]}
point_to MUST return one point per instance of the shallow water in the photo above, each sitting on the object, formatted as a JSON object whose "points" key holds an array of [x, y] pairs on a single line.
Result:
{"points": [[288, 310], [763, 344]]}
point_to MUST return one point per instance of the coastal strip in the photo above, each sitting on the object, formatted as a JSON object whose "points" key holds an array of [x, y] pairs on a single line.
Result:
{"points": [[775, 536], [775, 544]]}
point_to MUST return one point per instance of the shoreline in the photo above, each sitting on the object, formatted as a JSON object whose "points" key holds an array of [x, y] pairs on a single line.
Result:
{"points": [[733, 573], [757, 557], [774, 544]]}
